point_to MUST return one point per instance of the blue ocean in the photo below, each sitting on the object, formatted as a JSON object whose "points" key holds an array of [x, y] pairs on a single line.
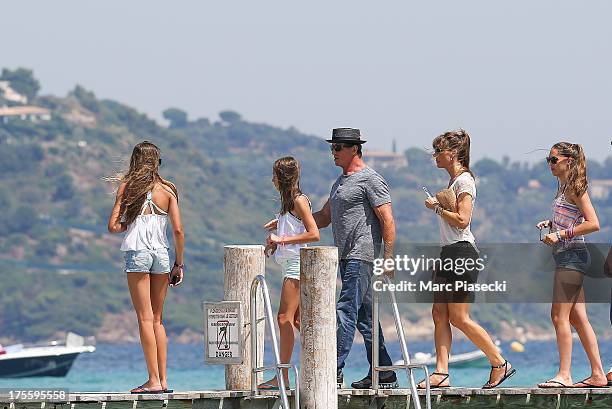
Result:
{"points": [[114, 367]]}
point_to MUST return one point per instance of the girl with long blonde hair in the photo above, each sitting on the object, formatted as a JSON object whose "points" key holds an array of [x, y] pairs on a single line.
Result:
{"points": [[573, 218], [143, 204]]}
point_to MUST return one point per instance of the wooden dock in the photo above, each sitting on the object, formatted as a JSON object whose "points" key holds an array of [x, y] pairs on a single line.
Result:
{"points": [[347, 399]]}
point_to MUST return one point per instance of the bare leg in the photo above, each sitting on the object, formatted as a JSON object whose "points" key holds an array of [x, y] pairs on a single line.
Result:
{"points": [[287, 317], [565, 291], [159, 288], [443, 338], [139, 285], [580, 321], [459, 315]]}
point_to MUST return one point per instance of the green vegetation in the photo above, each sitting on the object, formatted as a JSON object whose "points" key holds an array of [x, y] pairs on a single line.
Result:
{"points": [[22, 81], [62, 270]]}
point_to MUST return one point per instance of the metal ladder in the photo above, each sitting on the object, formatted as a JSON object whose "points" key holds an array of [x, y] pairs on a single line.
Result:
{"points": [[400, 334], [257, 282]]}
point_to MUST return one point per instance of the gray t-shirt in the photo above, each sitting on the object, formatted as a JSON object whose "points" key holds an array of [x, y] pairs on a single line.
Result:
{"points": [[356, 228]]}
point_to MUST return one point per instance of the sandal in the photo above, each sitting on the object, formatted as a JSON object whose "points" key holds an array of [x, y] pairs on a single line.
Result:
{"points": [[142, 389], [269, 386], [588, 385], [437, 385], [561, 384], [507, 375]]}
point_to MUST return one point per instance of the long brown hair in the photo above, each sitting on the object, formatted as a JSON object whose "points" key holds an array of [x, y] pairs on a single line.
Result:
{"points": [[140, 179], [458, 141], [577, 178], [287, 173]]}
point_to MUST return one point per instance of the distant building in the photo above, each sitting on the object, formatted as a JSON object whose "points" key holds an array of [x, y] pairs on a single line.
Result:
{"points": [[533, 184], [26, 113], [601, 188], [10, 94], [383, 159]]}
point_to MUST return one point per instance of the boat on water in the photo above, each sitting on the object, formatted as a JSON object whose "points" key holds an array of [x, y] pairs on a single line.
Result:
{"points": [[470, 359], [52, 359]]}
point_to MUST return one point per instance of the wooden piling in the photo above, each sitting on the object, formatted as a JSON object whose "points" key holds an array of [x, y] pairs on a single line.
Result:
{"points": [[318, 270], [241, 264]]}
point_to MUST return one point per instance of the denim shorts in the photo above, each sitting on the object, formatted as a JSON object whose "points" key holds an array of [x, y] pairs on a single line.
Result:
{"points": [[291, 268], [147, 261], [578, 259]]}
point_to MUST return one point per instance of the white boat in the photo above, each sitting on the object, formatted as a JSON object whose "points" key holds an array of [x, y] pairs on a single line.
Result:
{"points": [[53, 359], [468, 359]]}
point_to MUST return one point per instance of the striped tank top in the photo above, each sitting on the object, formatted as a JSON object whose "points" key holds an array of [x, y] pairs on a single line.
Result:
{"points": [[565, 216]]}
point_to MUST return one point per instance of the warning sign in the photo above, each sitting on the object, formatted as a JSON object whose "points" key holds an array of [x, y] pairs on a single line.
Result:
{"points": [[222, 334]]}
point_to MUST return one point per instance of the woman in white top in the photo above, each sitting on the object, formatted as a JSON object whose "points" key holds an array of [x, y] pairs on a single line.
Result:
{"points": [[143, 204], [452, 153], [295, 227]]}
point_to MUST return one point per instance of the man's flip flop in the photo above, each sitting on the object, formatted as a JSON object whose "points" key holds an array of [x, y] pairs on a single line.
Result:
{"points": [[562, 385], [437, 385], [142, 390], [588, 385]]}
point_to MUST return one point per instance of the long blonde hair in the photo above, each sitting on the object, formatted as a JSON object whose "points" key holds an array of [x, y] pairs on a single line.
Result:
{"points": [[141, 177], [577, 181], [287, 173]]}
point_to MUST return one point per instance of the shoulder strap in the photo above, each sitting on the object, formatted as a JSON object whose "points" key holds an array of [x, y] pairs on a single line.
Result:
{"points": [[151, 204], [309, 204], [146, 204]]}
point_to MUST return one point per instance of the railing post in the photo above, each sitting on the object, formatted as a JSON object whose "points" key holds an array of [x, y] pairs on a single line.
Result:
{"points": [[241, 264], [318, 271]]}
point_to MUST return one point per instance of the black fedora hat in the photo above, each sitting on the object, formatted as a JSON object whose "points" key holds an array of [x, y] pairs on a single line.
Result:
{"points": [[346, 135]]}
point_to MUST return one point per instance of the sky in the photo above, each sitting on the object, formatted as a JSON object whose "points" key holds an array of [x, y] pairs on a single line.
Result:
{"points": [[517, 75]]}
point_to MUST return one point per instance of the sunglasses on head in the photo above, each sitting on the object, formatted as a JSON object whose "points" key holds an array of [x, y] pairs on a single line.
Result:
{"points": [[337, 147]]}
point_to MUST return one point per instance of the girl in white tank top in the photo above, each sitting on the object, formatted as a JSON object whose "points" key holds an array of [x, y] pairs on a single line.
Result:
{"points": [[295, 226], [139, 211]]}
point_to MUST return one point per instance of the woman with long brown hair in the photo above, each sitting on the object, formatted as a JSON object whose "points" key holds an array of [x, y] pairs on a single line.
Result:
{"points": [[144, 203], [573, 218], [452, 153], [295, 226]]}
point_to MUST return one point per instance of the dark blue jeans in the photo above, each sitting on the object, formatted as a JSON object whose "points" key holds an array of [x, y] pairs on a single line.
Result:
{"points": [[354, 310]]}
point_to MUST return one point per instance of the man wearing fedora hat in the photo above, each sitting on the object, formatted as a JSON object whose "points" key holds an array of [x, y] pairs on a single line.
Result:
{"points": [[359, 210]]}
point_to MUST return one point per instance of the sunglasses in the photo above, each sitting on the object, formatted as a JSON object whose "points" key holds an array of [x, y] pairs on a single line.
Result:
{"points": [[552, 160], [549, 231], [438, 151], [160, 161], [337, 147]]}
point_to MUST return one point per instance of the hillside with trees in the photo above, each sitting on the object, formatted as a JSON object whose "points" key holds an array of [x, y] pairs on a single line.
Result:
{"points": [[61, 269]]}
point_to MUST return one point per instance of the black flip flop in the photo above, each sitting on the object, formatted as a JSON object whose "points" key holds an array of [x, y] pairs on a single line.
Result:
{"points": [[141, 390], [507, 375], [436, 386], [588, 385], [168, 390], [552, 387]]}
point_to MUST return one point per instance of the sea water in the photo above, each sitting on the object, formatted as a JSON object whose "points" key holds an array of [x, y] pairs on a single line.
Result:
{"points": [[117, 368]]}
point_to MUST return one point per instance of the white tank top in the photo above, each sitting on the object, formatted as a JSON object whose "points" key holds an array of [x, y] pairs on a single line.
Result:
{"points": [[289, 225], [148, 231]]}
